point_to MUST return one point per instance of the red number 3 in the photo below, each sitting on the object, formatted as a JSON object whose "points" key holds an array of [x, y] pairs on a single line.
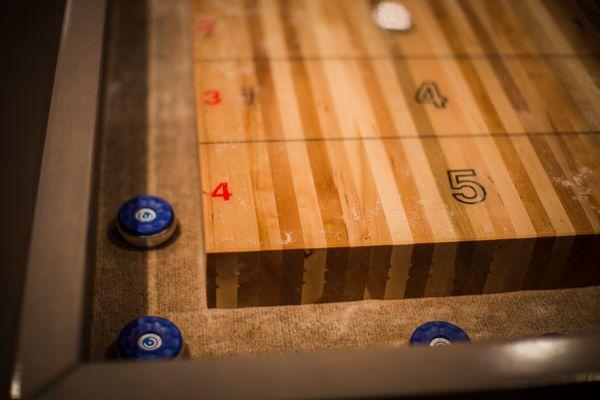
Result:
{"points": [[222, 191], [212, 97], [206, 26]]}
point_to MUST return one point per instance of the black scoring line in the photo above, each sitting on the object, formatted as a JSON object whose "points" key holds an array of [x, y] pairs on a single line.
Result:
{"points": [[406, 137], [457, 56]]}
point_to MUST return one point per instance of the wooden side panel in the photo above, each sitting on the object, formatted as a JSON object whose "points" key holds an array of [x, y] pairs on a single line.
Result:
{"points": [[428, 270]]}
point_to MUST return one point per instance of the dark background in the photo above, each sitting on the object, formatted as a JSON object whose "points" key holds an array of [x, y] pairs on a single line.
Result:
{"points": [[29, 41]]}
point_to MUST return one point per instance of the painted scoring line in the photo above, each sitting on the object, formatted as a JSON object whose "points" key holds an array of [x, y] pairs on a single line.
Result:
{"points": [[408, 137], [456, 56]]}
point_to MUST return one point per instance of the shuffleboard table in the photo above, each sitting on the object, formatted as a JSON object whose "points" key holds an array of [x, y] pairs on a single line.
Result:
{"points": [[336, 184]]}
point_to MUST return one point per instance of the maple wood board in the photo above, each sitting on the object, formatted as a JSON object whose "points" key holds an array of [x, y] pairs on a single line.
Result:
{"points": [[341, 161]]}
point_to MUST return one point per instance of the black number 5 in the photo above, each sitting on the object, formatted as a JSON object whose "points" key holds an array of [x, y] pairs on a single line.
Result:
{"points": [[466, 191]]}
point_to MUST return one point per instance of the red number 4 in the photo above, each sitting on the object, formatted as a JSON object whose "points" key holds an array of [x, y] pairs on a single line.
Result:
{"points": [[222, 191]]}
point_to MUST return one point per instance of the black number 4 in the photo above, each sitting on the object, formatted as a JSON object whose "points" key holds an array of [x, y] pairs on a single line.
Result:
{"points": [[466, 191], [429, 92]]}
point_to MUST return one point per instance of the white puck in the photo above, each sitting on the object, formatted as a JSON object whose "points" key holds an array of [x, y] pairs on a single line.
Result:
{"points": [[393, 16]]}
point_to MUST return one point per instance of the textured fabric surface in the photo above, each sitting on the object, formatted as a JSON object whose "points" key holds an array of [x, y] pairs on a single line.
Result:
{"points": [[148, 145]]}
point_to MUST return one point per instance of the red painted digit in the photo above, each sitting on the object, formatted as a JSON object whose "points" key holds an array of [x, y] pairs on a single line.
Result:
{"points": [[206, 26], [222, 191], [212, 97]]}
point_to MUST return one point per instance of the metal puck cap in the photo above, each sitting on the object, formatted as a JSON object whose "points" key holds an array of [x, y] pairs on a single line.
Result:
{"points": [[148, 338], [146, 221], [438, 334]]}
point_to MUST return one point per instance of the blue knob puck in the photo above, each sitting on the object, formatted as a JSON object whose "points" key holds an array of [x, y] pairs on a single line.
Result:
{"points": [[438, 334], [146, 221], [149, 338]]}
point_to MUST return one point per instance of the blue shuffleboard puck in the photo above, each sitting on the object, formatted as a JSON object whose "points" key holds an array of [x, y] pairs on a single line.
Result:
{"points": [[438, 334], [149, 338], [146, 221]]}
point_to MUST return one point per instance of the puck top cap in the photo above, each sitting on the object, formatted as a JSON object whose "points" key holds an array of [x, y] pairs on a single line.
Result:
{"points": [[392, 16], [438, 334], [149, 338], [146, 215]]}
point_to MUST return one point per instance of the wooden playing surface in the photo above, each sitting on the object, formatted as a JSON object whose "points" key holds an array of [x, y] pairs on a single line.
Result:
{"points": [[341, 161]]}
